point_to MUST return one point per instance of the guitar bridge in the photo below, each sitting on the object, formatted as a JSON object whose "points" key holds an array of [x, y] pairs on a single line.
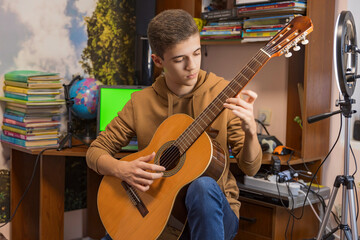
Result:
{"points": [[135, 199]]}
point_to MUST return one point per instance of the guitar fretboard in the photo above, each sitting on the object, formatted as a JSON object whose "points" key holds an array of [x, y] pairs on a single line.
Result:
{"points": [[206, 117]]}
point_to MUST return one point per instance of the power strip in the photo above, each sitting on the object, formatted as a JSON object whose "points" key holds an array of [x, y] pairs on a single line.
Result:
{"points": [[270, 184]]}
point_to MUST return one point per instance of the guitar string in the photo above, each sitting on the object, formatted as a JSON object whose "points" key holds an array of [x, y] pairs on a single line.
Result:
{"points": [[259, 56], [252, 63], [172, 154], [244, 72]]}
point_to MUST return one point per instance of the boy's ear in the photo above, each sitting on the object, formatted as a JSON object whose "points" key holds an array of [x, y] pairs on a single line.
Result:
{"points": [[157, 60]]}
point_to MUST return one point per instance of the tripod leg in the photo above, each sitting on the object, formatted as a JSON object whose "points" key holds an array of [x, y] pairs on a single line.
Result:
{"points": [[334, 191], [350, 191]]}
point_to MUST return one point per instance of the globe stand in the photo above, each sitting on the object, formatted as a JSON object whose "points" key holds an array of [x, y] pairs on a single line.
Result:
{"points": [[70, 130]]}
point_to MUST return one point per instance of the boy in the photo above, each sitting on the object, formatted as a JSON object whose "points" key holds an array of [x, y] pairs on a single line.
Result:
{"points": [[213, 207]]}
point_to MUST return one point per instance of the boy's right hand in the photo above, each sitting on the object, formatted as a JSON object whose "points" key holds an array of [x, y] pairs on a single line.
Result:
{"points": [[139, 173]]}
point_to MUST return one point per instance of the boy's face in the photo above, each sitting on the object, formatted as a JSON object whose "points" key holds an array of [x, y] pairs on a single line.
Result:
{"points": [[181, 63]]}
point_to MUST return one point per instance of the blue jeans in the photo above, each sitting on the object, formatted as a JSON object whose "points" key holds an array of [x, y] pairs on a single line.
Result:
{"points": [[209, 214]]}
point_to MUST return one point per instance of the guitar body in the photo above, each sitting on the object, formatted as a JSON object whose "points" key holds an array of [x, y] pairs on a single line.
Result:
{"points": [[164, 200]]}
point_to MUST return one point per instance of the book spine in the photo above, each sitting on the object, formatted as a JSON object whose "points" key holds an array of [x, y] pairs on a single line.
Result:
{"points": [[219, 14], [221, 28], [13, 129], [13, 122], [259, 34], [15, 89], [14, 117], [262, 29], [15, 135], [16, 96], [13, 140], [265, 7], [225, 23], [220, 33]]}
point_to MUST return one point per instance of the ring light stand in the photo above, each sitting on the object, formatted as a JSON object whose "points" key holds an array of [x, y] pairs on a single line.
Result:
{"points": [[345, 65]]}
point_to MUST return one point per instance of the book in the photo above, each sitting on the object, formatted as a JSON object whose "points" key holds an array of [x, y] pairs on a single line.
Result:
{"points": [[25, 75], [259, 34], [269, 20], [29, 144], [30, 130], [35, 85], [32, 124], [26, 97], [29, 91], [224, 23], [220, 14], [29, 136], [220, 33], [33, 103], [262, 29], [29, 111], [275, 8], [242, 2], [222, 28], [27, 119], [40, 113]]}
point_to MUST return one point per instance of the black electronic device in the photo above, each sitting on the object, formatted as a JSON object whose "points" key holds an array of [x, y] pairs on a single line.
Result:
{"points": [[275, 164]]}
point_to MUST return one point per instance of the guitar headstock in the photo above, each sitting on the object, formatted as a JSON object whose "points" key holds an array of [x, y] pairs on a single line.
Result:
{"points": [[287, 38]]}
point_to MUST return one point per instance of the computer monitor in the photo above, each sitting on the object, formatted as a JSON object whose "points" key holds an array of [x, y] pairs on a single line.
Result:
{"points": [[112, 98]]}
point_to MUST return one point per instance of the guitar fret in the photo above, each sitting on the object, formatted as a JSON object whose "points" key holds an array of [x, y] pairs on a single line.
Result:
{"points": [[249, 68]]}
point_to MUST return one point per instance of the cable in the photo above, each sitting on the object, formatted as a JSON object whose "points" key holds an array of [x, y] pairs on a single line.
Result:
{"points": [[317, 216], [28, 186], [263, 125]]}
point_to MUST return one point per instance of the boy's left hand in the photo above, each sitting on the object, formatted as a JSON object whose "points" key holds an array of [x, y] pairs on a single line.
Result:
{"points": [[244, 109]]}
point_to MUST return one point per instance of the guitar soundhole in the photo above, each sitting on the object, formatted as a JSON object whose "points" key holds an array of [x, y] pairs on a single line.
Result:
{"points": [[170, 158]]}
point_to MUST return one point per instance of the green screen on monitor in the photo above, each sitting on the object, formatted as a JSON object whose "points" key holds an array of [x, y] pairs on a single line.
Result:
{"points": [[112, 98]]}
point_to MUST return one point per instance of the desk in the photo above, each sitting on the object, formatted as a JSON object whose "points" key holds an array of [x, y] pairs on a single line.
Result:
{"points": [[41, 213]]}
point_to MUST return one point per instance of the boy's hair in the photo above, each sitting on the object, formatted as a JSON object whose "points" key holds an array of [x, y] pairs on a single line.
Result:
{"points": [[169, 28]]}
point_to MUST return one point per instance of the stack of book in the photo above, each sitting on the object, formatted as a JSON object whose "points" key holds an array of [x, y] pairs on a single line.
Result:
{"points": [[33, 108], [216, 31], [264, 28], [272, 8]]}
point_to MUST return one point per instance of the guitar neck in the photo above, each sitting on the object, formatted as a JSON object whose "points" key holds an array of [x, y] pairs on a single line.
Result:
{"points": [[206, 117]]}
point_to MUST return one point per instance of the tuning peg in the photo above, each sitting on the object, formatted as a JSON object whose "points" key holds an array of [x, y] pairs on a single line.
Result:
{"points": [[288, 54], [296, 48], [304, 41]]}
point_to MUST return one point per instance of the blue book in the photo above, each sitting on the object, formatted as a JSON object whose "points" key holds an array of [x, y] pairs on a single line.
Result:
{"points": [[262, 29], [220, 33], [26, 97], [29, 144], [31, 119]]}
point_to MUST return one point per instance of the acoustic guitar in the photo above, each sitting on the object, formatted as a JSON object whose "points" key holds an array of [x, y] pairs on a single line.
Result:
{"points": [[187, 152]]}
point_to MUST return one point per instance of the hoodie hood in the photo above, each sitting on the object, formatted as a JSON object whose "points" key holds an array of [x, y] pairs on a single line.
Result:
{"points": [[205, 82]]}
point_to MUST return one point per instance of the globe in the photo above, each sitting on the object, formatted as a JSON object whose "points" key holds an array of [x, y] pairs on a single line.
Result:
{"points": [[85, 96]]}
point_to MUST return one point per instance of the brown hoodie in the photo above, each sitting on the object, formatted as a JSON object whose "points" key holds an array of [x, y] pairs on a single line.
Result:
{"points": [[148, 108]]}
